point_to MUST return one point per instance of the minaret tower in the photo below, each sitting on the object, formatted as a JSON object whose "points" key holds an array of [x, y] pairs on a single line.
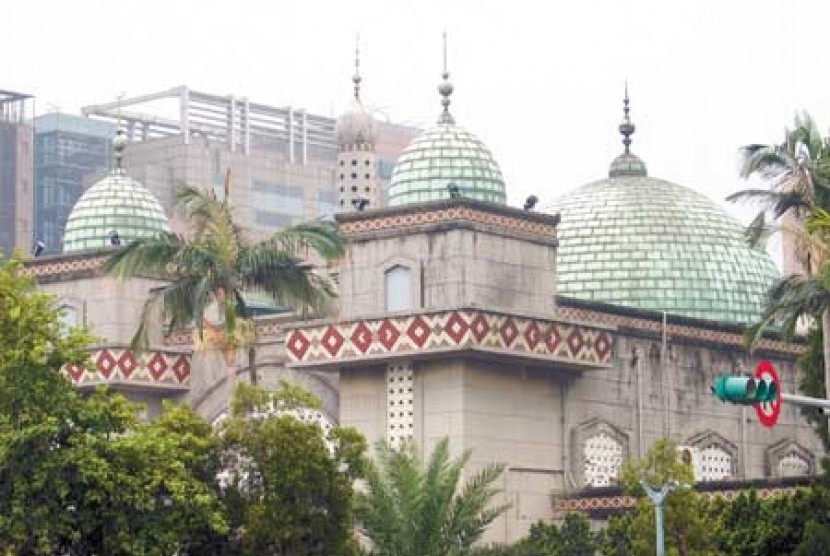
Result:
{"points": [[356, 172]]}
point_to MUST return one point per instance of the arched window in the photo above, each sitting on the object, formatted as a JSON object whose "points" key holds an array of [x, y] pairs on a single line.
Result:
{"points": [[793, 465], [398, 289]]}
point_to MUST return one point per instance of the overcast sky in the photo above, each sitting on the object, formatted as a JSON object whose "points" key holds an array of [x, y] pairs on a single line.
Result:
{"points": [[540, 82]]}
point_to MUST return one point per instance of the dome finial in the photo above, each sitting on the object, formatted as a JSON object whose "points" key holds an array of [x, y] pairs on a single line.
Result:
{"points": [[445, 88], [356, 79], [626, 127], [627, 164], [119, 143]]}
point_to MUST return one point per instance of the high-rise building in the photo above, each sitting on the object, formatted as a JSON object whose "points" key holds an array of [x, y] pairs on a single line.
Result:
{"points": [[70, 152], [282, 161], [15, 171]]}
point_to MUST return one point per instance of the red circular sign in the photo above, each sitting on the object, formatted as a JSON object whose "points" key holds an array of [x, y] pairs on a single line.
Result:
{"points": [[768, 412]]}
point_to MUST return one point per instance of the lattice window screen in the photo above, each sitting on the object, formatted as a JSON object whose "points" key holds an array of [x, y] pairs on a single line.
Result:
{"points": [[793, 465], [713, 464], [400, 419], [603, 459]]}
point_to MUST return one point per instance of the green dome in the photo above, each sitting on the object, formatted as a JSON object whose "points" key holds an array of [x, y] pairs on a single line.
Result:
{"points": [[651, 244], [116, 203], [439, 156]]}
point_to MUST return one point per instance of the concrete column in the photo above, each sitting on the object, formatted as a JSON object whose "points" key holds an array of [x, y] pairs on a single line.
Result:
{"points": [[246, 125], [184, 114], [232, 135], [305, 137], [291, 135]]}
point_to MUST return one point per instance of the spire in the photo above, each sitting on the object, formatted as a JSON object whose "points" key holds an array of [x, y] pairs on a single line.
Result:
{"points": [[626, 127], [445, 88], [356, 79]]}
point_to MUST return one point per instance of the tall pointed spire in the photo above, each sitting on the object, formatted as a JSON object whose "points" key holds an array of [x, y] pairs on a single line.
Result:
{"points": [[356, 79], [445, 88], [626, 127]]}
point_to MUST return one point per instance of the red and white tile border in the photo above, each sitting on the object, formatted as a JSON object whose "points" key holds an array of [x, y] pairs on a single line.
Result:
{"points": [[446, 331], [115, 365]]}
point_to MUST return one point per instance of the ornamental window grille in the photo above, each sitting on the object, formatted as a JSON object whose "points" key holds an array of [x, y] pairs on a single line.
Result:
{"points": [[400, 410], [713, 464], [603, 460], [793, 465]]}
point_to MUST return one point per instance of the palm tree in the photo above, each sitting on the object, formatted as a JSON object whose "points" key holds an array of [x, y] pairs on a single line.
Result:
{"points": [[411, 509], [217, 264], [798, 198]]}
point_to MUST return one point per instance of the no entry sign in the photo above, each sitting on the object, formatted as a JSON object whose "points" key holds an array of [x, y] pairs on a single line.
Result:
{"points": [[768, 412]]}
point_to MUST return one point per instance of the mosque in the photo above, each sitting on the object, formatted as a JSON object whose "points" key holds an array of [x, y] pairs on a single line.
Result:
{"points": [[560, 342]]}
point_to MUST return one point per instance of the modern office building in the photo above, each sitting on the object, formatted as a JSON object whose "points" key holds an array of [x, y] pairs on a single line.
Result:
{"points": [[70, 153], [15, 171], [282, 160]]}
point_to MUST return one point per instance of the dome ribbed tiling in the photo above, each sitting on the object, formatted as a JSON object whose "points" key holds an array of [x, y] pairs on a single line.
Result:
{"points": [[116, 203], [650, 244], [441, 155]]}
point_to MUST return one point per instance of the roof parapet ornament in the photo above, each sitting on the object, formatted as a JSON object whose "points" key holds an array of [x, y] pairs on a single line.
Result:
{"points": [[626, 127], [445, 89]]}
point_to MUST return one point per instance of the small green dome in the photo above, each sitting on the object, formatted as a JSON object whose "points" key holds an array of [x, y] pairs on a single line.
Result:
{"points": [[650, 244], [118, 204], [441, 155]]}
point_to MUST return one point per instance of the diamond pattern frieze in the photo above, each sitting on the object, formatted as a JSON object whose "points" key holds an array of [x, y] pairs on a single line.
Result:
{"points": [[463, 329], [114, 365]]}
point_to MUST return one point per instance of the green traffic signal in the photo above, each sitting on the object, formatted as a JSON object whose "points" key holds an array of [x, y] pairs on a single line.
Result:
{"points": [[744, 390]]}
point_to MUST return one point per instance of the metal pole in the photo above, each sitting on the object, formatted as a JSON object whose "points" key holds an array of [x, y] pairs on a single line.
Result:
{"points": [[798, 399], [658, 525]]}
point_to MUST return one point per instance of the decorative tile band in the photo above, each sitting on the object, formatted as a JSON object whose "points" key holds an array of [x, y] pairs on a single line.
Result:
{"points": [[40, 268], [407, 220], [123, 366], [463, 329], [616, 504], [702, 333]]}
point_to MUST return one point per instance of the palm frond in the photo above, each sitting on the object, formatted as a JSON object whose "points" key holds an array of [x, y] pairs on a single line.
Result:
{"points": [[283, 277], [145, 256], [790, 301], [320, 236]]}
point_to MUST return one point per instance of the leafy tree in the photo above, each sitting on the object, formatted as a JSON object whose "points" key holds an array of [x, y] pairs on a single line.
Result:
{"points": [[288, 489], [615, 539], [214, 266], [79, 474], [412, 508], [688, 528], [573, 538]]}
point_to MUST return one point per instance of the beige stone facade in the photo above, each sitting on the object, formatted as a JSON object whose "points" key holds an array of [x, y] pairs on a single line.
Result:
{"points": [[448, 325]]}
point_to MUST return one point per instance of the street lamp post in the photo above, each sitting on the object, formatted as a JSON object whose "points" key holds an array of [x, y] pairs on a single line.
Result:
{"points": [[658, 497]]}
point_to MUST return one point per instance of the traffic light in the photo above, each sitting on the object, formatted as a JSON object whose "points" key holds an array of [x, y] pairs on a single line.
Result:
{"points": [[744, 390]]}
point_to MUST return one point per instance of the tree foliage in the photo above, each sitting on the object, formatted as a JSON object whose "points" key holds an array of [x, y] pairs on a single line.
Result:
{"points": [[79, 474], [414, 508], [289, 489]]}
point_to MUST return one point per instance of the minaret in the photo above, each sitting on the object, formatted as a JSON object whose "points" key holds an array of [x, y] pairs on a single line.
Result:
{"points": [[356, 171]]}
